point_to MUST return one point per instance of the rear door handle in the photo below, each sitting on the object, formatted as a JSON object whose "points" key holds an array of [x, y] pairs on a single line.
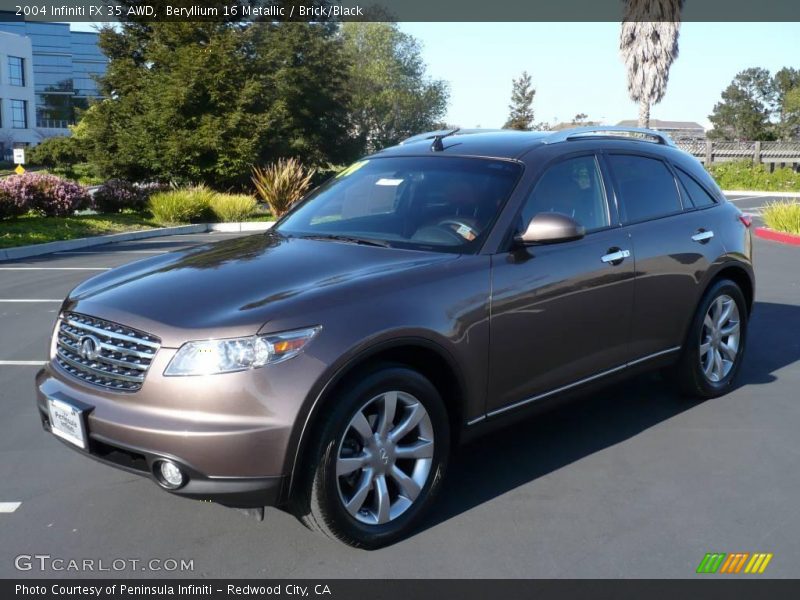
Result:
{"points": [[615, 257], [702, 236]]}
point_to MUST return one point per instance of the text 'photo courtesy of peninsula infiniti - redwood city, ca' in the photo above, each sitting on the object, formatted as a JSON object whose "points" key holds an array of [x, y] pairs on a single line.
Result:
{"points": [[426, 294]]}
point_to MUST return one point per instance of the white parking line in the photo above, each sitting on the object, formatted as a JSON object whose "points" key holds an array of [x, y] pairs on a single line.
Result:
{"points": [[55, 268], [9, 507], [29, 300], [22, 363]]}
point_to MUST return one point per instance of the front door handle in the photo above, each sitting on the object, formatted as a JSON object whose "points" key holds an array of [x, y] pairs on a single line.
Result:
{"points": [[615, 256], [702, 236]]}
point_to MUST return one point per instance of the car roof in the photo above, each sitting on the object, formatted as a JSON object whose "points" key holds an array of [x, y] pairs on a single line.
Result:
{"points": [[512, 144], [499, 144]]}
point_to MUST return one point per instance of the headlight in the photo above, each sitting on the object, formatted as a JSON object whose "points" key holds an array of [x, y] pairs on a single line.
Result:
{"points": [[207, 357]]}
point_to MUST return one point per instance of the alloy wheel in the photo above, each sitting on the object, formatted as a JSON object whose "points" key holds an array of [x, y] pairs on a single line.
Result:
{"points": [[384, 457], [719, 338]]}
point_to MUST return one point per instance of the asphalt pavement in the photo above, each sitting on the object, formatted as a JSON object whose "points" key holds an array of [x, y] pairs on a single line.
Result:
{"points": [[632, 481]]}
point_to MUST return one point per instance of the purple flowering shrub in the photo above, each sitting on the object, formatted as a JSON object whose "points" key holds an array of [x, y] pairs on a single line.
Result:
{"points": [[10, 206], [116, 195], [46, 194]]}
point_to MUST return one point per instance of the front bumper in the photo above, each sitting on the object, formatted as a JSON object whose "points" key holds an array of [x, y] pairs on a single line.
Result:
{"points": [[233, 455], [237, 492]]}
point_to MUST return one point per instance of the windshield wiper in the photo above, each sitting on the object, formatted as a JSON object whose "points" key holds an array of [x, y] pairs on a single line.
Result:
{"points": [[348, 240]]}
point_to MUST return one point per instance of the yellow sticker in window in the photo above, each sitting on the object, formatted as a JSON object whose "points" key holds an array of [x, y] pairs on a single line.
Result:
{"points": [[352, 168]]}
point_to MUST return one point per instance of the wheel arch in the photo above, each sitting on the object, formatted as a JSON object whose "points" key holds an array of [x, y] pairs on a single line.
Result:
{"points": [[741, 276], [425, 356], [736, 272]]}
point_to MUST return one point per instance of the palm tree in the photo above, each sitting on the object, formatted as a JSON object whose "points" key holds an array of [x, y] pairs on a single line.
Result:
{"points": [[648, 45]]}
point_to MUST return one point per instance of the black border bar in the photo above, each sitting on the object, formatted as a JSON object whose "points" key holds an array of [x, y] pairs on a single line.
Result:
{"points": [[390, 10], [700, 588]]}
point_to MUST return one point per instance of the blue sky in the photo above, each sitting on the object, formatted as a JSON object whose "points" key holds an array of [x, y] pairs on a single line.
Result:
{"points": [[576, 67]]}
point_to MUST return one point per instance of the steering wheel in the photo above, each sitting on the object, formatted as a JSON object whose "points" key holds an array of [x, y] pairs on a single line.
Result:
{"points": [[465, 228]]}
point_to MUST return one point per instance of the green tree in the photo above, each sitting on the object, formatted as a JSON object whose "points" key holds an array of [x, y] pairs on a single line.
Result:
{"points": [[203, 102], [786, 83], [59, 151], [303, 73], [746, 107], [521, 108], [391, 96], [791, 108]]}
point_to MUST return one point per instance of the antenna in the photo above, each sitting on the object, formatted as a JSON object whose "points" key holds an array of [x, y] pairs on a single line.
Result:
{"points": [[437, 145]]}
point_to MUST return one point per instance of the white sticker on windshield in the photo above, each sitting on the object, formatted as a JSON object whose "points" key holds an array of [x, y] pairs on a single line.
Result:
{"points": [[385, 181]]}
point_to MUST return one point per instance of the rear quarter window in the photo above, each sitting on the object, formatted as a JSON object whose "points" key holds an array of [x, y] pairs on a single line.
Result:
{"points": [[645, 186], [696, 193]]}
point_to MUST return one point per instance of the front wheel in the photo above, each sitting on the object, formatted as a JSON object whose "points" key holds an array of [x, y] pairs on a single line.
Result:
{"points": [[379, 460], [715, 345]]}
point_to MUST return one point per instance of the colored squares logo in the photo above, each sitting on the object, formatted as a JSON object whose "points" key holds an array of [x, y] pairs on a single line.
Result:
{"points": [[736, 562]]}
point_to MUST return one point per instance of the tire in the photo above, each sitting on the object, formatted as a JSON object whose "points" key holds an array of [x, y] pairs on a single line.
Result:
{"points": [[695, 375], [343, 442]]}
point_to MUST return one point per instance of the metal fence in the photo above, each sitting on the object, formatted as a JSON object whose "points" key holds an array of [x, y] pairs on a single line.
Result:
{"points": [[773, 154]]}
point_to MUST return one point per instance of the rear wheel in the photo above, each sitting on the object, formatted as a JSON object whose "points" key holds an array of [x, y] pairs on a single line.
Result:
{"points": [[715, 345], [379, 460]]}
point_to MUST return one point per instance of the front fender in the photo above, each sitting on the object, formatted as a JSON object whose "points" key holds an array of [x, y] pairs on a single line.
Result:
{"points": [[349, 362]]}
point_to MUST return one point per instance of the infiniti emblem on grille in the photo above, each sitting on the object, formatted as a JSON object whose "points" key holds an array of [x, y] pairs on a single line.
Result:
{"points": [[87, 347]]}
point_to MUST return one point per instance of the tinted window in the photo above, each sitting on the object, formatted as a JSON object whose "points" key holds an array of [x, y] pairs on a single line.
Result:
{"points": [[437, 202], [574, 188], [19, 114], [16, 70], [696, 193], [645, 186]]}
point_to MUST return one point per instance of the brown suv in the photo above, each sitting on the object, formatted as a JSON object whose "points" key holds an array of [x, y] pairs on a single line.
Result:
{"points": [[425, 294]]}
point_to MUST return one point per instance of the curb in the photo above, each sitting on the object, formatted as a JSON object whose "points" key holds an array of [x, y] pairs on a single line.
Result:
{"points": [[761, 194], [99, 240], [778, 236]]}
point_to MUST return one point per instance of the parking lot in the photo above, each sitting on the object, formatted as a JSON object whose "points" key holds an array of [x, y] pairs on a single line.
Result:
{"points": [[632, 481]]}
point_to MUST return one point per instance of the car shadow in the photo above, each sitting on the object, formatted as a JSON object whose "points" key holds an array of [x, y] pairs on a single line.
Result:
{"points": [[774, 342], [502, 461]]}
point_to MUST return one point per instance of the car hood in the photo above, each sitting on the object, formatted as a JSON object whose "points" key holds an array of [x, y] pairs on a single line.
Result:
{"points": [[232, 288]]}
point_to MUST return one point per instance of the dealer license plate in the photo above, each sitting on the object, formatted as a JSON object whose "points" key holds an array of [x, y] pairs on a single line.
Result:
{"points": [[66, 421]]}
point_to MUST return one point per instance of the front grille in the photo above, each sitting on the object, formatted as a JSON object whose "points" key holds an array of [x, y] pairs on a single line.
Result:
{"points": [[122, 355]]}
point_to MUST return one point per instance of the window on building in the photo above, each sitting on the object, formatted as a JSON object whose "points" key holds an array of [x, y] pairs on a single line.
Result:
{"points": [[19, 114], [16, 70]]}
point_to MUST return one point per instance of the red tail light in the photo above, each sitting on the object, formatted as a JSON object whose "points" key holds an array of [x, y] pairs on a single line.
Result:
{"points": [[746, 220]]}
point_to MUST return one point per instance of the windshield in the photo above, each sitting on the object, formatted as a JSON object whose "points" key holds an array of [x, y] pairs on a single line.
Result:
{"points": [[437, 203]]}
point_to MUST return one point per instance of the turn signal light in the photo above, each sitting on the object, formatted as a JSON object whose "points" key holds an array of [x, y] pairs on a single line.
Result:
{"points": [[746, 220]]}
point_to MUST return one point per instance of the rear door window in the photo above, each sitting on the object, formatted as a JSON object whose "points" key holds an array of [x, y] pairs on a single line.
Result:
{"points": [[645, 186], [696, 193]]}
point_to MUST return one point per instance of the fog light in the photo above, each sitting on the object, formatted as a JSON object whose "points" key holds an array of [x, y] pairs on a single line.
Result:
{"points": [[170, 474]]}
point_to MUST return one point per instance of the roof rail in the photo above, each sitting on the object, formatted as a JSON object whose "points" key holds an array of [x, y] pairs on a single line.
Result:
{"points": [[566, 135]]}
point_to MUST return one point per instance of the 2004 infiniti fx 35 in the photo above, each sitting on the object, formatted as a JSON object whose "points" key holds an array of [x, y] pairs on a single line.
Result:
{"points": [[425, 294]]}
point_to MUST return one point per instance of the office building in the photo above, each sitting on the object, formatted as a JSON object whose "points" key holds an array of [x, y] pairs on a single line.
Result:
{"points": [[46, 77]]}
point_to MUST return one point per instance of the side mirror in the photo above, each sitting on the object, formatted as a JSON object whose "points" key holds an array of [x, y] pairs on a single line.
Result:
{"points": [[551, 228]]}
